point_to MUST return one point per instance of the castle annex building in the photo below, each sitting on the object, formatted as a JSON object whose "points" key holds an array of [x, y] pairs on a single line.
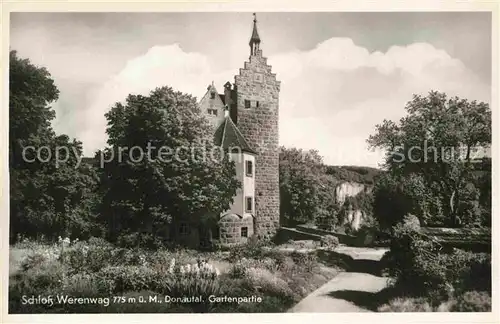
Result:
{"points": [[245, 116]]}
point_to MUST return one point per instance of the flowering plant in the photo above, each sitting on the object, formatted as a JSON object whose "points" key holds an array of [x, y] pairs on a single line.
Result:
{"points": [[200, 269]]}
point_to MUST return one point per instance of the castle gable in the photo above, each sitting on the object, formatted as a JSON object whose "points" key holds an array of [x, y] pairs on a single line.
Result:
{"points": [[212, 106]]}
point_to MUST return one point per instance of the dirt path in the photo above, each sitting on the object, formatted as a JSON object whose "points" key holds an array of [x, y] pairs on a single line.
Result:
{"points": [[360, 281]]}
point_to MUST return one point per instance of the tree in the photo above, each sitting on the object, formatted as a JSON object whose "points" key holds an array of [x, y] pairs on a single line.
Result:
{"points": [[437, 141], [45, 198], [306, 192], [176, 179], [396, 197]]}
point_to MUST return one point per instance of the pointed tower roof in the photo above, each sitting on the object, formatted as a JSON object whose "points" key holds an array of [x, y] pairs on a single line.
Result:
{"points": [[255, 34], [228, 136]]}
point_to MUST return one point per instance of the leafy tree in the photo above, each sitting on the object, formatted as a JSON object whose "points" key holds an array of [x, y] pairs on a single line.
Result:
{"points": [[45, 198], [483, 174], [357, 174], [396, 197], [306, 192], [177, 179], [436, 142]]}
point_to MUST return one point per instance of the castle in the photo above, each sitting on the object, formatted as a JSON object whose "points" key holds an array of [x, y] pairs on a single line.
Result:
{"points": [[246, 116]]}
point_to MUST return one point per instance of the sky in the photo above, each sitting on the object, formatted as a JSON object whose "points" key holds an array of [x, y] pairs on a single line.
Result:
{"points": [[341, 73]]}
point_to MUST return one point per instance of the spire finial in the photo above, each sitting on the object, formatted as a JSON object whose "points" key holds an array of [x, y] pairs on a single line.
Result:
{"points": [[255, 39]]}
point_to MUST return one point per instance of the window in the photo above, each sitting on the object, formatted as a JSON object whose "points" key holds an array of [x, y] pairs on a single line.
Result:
{"points": [[212, 95], [249, 168], [183, 229], [244, 232], [247, 103], [257, 104], [258, 77], [212, 112], [248, 205]]}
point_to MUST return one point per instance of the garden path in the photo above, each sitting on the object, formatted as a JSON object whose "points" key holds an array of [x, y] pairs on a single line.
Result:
{"points": [[361, 280]]}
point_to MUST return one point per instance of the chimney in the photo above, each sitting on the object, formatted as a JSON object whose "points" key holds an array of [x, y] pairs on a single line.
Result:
{"points": [[227, 93], [230, 100]]}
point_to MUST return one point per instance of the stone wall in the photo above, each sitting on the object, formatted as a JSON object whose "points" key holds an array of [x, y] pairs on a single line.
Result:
{"points": [[285, 234], [259, 126], [230, 229]]}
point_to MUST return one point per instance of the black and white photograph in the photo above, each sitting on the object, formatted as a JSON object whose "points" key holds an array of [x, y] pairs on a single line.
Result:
{"points": [[250, 162]]}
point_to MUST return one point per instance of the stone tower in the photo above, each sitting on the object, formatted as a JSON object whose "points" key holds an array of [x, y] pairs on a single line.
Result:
{"points": [[254, 103]]}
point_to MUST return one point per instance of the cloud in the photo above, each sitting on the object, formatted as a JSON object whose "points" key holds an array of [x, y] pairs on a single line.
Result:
{"points": [[332, 96], [160, 66]]}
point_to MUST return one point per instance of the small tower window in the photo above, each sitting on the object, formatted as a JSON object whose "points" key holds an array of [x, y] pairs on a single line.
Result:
{"points": [[212, 95], [247, 103], [248, 204], [249, 168], [244, 231], [257, 104], [183, 229]]}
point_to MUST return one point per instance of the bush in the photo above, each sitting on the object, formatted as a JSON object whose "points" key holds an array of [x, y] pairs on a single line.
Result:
{"points": [[411, 221], [142, 240], [88, 258], [237, 271], [306, 261], [254, 248], [46, 279], [330, 242], [196, 280], [99, 242], [473, 270], [279, 258], [473, 301], [84, 285], [419, 264], [119, 279], [412, 257], [269, 284], [406, 305], [34, 260]]}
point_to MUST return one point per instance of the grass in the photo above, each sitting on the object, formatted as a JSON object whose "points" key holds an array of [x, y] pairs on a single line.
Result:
{"points": [[471, 301], [280, 278], [16, 256]]}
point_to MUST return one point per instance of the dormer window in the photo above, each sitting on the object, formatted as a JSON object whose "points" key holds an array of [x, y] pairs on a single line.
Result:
{"points": [[247, 104], [212, 112], [212, 95], [249, 168]]}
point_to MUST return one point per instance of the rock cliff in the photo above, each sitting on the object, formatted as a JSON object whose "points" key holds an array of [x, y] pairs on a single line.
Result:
{"points": [[350, 189], [354, 217]]}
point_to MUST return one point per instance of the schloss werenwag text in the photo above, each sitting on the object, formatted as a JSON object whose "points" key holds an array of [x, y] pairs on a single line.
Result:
{"points": [[51, 300]]}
